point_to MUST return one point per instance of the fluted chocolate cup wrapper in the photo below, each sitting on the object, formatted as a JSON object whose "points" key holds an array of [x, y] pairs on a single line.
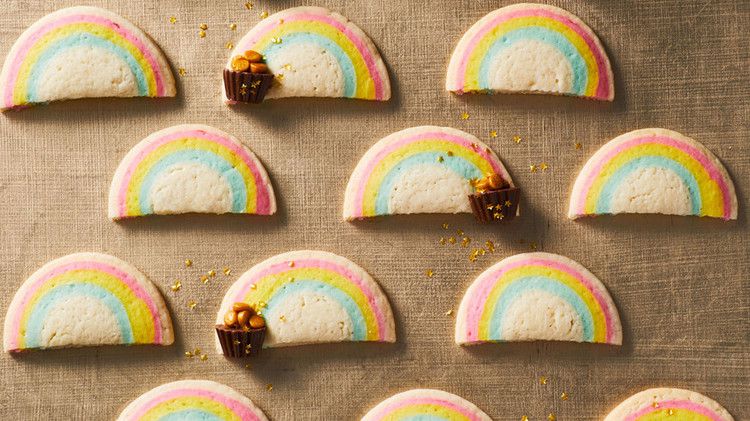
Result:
{"points": [[247, 87], [491, 206], [240, 343]]}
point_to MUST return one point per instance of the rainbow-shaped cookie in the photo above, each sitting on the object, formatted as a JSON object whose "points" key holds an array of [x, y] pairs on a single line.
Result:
{"points": [[86, 299], [653, 171], [531, 48], [317, 53], [190, 168], [668, 404], [313, 297], [425, 404], [83, 52], [202, 400], [426, 169], [537, 296]]}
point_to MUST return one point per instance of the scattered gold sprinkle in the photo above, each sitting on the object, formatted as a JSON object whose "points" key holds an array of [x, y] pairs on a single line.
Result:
{"points": [[182, 72], [670, 411], [248, 5], [197, 351], [449, 153], [464, 115], [281, 21], [429, 273], [192, 304], [202, 33], [253, 286], [551, 417], [460, 232], [524, 418], [280, 76], [564, 396], [442, 241], [533, 245], [203, 357], [203, 26], [236, 342], [287, 66], [282, 318], [291, 263], [474, 146], [188, 262], [543, 380], [232, 26], [655, 404], [544, 166], [247, 366], [188, 354], [532, 168], [498, 215], [465, 241], [172, 20], [452, 240], [446, 226], [227, 271], [577, 145], [517, 139], [269, 387], [262, 304], [449, 312], [276, 40], [264, 14], [508, 204], [204, 279], [212, 273], [490, 246], [440, 158], [248, 348], [493, 133], [176, 286], [229, 46]]}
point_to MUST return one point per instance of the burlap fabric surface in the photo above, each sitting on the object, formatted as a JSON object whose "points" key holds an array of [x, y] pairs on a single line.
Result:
{"points": [[681, 284]]}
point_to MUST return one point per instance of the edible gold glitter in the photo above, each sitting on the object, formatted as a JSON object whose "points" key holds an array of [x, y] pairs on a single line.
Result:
{"points": [[670, 411], [253, 286], [429, 273], [490, 246], [264, 14], [202, 33], [172, 20], [465, 242], [452, 240], [544, 166], [192, 304], [446, 226], [533, 245], [532, 168], [460, 232], [442, 241], [248, 348], [440, 158], [474, 146], [203, 26], [287, 66], [176, 286], [282, 318], [517, 139], [276, 40], [493, 133], [204, 279], [248, 5], [197, 351], [564, 396], [229, 46], [498, 215], [655, 404], [182, 72], [236, 342], [449, 312], [212, 273], [247, 366], [524, 418], [203, 357], [262, 304], [227, 271], [577, 145], [280, 77], [269, 387], [232, 26], [551, 417], [188, 354], [508, 204], [464, 115], [281, 21], [188, 262], [543, 380]]}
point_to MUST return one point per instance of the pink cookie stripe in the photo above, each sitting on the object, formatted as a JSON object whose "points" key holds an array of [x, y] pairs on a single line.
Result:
{"points": [[675, 404], [72, 19], [488, 282], [262, 195], [395, 406], [240, 409], [117, 273], [602, 91], [695, 153], [318, 264], [262, 29], [387, 149]]}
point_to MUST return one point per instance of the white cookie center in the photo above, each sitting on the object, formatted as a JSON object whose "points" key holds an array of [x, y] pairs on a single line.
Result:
{"points": [[530, 66], [190, 187]]}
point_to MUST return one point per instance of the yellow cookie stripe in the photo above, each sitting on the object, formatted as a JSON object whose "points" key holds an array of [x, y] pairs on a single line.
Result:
{"points": [[269, 285], [712, 201], [425, 409], [41, 45], [364, 81], [484, 45], [674, 415], [188, 143], [190, 402], [597, 313], [141, 320], [375, 179]]}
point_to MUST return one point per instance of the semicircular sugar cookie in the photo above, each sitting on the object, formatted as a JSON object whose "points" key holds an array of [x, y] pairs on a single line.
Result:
{"points": [[192, 400], [86, 299], [537, 296], [531, 48], [315, 52], [83, 52], [428, 404], [667, 404], [313, 297], [653, 171], [426, 169], [190, 168]]}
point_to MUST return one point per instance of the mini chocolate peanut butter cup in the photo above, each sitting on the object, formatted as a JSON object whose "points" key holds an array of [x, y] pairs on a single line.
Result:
{"points": [[246, 87], [242, 333], [495, 200]]}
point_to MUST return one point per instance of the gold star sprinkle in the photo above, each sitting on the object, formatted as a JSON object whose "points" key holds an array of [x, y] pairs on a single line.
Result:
{"points": [[655, 404], [276, 40], [446, 226], [192, 304], [203, 357], [670, 411], [197, 351], [551, 417], [532, 168], [508, 204], [533, 245], [202, 33], [227, 271], [282, 318], [262, 304], [440, 158], [188, 262], [544, 166], [269, 387], [204, 279], [232, 26], [429, 273], [287, 66], [449, 153], [474, 145], [452, 240], [247, 366], [229, 46], [442, 241], [464, 115], [577, 145], [490, 246], [172, 20], [203, 26], [264, 14], [465, 242], [176, 286], [182, 72], [460, 232], [493, 133], [291, 264], [517, 139], [449, 312], [253, 286], [498, 215], [281, 21], [564, 396], [543, 380], [188, 354], [524, 418], [248, 5], [212, 273]]}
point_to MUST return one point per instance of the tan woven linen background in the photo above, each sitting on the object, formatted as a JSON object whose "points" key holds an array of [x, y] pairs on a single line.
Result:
{"points": [[681, 284]]}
